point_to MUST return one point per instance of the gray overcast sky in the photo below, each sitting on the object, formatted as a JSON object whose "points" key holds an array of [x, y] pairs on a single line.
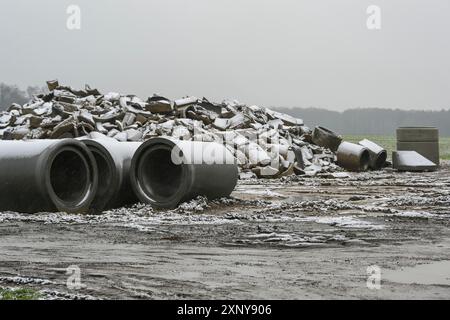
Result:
{"points": [[268, 52]]}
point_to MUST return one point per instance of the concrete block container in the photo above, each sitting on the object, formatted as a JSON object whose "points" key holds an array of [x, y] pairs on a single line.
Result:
{"points": [[424, 140]]}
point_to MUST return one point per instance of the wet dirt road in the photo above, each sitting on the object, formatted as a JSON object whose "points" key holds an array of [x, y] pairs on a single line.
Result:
{"points": [[296, 238]]}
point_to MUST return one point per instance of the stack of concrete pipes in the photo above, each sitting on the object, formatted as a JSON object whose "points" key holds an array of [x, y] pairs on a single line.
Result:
{"points": [[351, 156], [97, 173]]}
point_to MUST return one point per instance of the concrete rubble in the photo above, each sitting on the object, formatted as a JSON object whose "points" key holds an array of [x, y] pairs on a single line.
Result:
{"points": [[326, 138], [265, 143]]}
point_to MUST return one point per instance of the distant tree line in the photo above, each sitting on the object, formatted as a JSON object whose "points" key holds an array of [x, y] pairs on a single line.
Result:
{"points": [[10, 94], [374, 121]]}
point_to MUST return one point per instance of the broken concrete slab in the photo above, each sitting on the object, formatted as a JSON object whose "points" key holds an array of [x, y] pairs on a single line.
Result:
{"points": [[276, 124], [35, 122], [17, 133], [326, 138], [237, 121], [87, 117], [67, 126], [428, 149], [52, 85], [340, 175], [133, 135], [265, 172], [246, 175], [121, 136], [113, 132], [256, 155], [181, 132], [184, 102], [221, 123], [129, 119], [286, 119], [159, 104], [312, 170], [411, 161]]}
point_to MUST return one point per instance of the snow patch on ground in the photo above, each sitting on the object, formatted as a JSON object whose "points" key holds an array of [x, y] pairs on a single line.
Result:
{"points": [[346, 222], [25, 280]]}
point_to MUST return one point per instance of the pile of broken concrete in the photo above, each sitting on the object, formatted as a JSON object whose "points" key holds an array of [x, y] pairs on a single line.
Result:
{"points": [[265, 143]]}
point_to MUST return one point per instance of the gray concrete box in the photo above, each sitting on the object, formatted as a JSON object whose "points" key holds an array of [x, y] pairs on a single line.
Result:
{"points": [[424, 140]]}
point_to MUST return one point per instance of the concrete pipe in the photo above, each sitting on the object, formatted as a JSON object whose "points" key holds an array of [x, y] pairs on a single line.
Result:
{"points": [[166, 172], [326, 138], [113, 160], [46, 175], [378, 154], [353, 157]]}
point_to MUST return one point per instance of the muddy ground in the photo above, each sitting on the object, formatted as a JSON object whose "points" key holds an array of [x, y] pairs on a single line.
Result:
{"points": [[295, 238]]}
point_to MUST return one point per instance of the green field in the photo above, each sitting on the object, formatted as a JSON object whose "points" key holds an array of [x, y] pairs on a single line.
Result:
{"points": [[389, 142], [19, 294]]}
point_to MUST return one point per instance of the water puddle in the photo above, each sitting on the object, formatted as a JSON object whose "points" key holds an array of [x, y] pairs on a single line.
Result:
{"points": [[436, 273]]}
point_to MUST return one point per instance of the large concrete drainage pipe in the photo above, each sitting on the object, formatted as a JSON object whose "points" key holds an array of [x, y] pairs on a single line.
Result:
{"points": [[113, 160], [378, 154], [46, 175], [353, 157], [166, 172]]}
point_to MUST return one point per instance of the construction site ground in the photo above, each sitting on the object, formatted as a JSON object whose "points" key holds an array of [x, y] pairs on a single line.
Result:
{"points": [[298, 237]]}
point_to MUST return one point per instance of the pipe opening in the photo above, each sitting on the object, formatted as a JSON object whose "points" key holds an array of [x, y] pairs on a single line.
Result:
{"points": [[364, 160], [160, 177], [381, 159], [69, 176]]}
